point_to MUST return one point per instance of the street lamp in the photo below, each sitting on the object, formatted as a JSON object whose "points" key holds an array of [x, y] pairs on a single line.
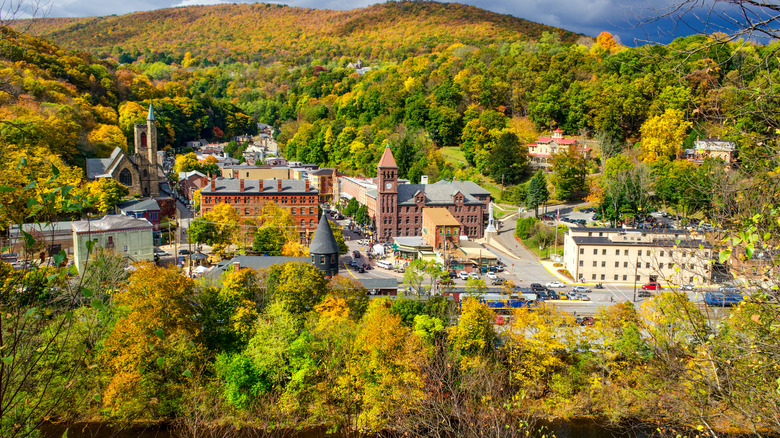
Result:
{"points": [[540, 251]]}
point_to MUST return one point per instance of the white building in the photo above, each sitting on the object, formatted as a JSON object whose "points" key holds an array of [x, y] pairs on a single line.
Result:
{"points": [[124, 235]]}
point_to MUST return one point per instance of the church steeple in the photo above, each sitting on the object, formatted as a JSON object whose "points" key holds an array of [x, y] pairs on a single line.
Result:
{"points": [[151, 117]]}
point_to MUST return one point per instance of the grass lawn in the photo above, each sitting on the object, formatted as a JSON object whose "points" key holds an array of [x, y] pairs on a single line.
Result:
{"points": [[545, 253], [453, 155]]}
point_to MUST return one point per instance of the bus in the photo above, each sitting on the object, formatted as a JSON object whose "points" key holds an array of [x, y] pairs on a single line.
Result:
{"points": [[499, 301]]}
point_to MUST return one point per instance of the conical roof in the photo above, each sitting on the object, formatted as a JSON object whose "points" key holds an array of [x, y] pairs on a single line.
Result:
{"points": [[151, 113], [323, 241], [387, 159]]}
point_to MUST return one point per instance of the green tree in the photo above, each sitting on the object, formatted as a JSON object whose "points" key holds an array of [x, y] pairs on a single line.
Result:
{"points": [[569, 169], [537, 193], [508, 159], [269, 240], [105, 193]]}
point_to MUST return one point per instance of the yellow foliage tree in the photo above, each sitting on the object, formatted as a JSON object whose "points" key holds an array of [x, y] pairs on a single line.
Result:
{"points": [[107, 137], [663, 135], [152, 347]]}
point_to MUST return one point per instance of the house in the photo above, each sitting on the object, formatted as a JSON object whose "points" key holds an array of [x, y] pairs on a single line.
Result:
{"points": [[147, 209], [255, 172], [124, 235], [323, 181], [711, 148], [542, 151], [50, 238]]}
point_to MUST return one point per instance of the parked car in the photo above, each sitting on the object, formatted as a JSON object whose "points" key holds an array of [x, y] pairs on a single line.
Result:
{"points": [[498, 281], [580, 289], [185, 252], [652, 286], [473, 275], [552, 294], [160, 253], [500, 267], [728, 289], [583, 297], [572, 295], [463, 275], [588, 320], [453, 274], [688, 286], [555, 284], [353, 263], [500, 320], [492, 275], [536, 286], [644, 294], [356, 254], [361, 269]]}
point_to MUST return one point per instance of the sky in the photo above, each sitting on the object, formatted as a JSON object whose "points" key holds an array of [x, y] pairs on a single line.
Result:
{"points": [[590, 17]]}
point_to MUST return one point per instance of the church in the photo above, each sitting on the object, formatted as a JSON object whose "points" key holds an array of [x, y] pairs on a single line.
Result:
{"points": [[138, 172]]}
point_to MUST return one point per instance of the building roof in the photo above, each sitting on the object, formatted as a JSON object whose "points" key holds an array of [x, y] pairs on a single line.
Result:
{"points": [[605, 241], [255, 262], [411, 241], [441, 217], [378, 283], [150, 116], [324, 171], [270, 186], [387, 159], [323, 241], [111, 222], [97, 167], [139, 205], [187, 175], [441, 193]]}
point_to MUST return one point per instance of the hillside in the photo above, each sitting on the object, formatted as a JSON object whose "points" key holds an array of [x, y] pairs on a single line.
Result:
{"points": [[264, 32]]}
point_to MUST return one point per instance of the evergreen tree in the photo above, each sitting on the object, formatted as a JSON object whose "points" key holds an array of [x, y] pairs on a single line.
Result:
{"points": [[537, 192]]}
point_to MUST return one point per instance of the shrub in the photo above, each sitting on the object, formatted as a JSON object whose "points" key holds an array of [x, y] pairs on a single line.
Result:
{"points": [[525, 226]]}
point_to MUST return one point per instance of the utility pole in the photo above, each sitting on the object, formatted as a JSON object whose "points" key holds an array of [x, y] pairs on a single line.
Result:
{"points": [[502, 187], [636, 268]]}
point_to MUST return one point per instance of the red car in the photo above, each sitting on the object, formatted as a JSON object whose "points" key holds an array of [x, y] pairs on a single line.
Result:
{"points": [[500, 320], [652, 286]]}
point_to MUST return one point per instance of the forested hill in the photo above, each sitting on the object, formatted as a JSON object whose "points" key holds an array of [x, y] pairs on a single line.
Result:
{"points": [[264, 32]]}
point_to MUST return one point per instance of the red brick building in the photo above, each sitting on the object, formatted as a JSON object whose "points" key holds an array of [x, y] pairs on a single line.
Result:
{"points": [[440, 229], [399, 208], [249, 196]]}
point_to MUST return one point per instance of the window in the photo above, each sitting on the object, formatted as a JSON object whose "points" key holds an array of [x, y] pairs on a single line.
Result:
{"points": [[647, 265], [311, 210], [647, 253], [593, 277], [603, 264], [601, 234], [322, 259], [332, 258], [311, 223], [595, 263], [590, 234], [292, 210], [625, 252], [617, 253], [616, 277], [602, 276], [595, 252], [625, 277], [582, 250], [625, 264], [617, 264], [303, 223], [662, 253], [125, 177], [110, 240], [580, 262], [660, 266], [603, 252], [638, 278]]}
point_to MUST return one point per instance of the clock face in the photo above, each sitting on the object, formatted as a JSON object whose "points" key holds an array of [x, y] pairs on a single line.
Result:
{"points": [[389, 186]]}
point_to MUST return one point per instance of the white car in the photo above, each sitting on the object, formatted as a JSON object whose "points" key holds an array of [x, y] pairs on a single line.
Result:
{"points": [[473, 275], [583, 297], [555, 284], [580, 289], [463, 275], [492, 275]]}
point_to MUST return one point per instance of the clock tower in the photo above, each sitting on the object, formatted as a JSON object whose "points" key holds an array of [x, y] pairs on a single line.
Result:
{"points": [[387, 196]]}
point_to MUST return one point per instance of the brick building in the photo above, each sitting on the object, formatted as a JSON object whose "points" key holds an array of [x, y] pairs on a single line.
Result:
{"points": [[249, 196], [440, 229], [323, 180], [399, 207]]}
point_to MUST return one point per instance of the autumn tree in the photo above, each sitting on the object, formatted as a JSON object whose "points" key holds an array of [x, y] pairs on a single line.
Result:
{"points": [[662, 135], [152, 349], [106, 193]]}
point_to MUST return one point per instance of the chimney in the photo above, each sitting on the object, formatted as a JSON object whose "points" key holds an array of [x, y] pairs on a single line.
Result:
{"points": [[279, 184], [237, 265], [213, 184], [260, 185], [307, 185], [241, 187], [424, 179]]}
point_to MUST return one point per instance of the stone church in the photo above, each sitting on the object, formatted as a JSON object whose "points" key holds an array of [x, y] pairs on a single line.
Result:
{"points": [[138, 172]]}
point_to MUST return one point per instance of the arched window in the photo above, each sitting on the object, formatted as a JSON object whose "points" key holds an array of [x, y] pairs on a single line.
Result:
{"points": [[125, 177], [146, 173], [143, 139]]}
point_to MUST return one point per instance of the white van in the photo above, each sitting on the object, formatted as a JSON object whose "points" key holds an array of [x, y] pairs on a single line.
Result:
{"points": [[384, 264]]}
